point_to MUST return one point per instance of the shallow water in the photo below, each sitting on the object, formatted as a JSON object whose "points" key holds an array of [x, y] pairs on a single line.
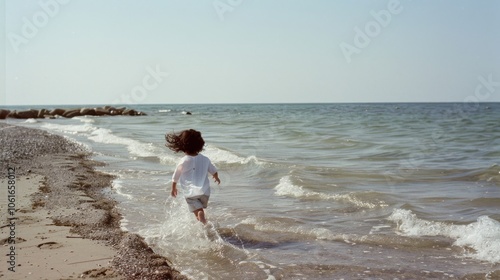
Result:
{"points": [[313, 191]]}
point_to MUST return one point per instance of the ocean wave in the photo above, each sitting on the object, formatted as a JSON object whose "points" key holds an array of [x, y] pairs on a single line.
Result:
{"points": [[118, 187], [483, 236], [86, 148], [164, 110], [31, 121], [180, 225], [288, 189], [255, 231], [85, 119], [485, 174], [181, 233], [70, 129], [104, 135], [135, 147], [491, 174], [287, 227], [217, 155], [146, 151]]}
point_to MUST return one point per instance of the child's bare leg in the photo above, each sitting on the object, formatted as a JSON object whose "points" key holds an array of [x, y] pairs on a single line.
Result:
{"points": [[200, 215]]}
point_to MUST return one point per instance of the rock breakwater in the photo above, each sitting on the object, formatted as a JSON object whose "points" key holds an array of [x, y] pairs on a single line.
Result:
{"points": [[69, 113]]}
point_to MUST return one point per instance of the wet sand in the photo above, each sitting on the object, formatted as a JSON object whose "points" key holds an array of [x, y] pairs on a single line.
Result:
{"points": [[57, 222]]}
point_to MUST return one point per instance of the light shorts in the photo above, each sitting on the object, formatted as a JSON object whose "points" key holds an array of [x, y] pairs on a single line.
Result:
{"points": [[197, 202]]}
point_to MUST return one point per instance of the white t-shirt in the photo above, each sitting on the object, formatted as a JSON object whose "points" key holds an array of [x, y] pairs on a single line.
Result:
{"points": [[192, 175]]}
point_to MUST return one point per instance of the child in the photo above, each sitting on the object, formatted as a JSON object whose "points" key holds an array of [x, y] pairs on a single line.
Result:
{"points": [[192, 171]]}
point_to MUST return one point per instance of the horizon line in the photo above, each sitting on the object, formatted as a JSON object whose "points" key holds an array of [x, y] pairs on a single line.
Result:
{"points": [[252, 103]]}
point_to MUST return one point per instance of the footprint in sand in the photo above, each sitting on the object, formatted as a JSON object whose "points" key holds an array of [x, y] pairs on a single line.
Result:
{"points": [[49, 245]]}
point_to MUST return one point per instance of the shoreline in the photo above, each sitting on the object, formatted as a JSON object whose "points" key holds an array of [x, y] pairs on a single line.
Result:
{"points": [[63, 225], [415, 256]]}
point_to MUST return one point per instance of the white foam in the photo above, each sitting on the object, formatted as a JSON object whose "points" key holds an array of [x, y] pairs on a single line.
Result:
{"points": [[123, 224], [135, 147], [84, 146], [85, 119], [179, 236], [30, 121], [288, 189], [264, 266], [164, 110], [70, 129], [118, 187], [106, 136], [217, 155], [180, 231], [249, 159], [316, 233], [73, 130], [483, 235], [167, 159]]}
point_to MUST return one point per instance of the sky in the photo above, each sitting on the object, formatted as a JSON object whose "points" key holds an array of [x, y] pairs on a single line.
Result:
{"points": [[249, 51]]}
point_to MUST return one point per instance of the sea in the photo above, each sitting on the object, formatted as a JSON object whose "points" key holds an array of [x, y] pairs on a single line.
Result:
{"points": [[310, 191]]}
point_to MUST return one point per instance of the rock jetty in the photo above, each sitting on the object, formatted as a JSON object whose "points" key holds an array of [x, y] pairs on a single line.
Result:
{"points": [[69, 113]]}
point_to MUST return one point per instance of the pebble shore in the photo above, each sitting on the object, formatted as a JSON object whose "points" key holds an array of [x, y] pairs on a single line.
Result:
{"points": [[69, 175]]}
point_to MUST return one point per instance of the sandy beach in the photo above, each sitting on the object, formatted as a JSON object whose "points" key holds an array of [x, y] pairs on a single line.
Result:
{"points": [[57, 223]]}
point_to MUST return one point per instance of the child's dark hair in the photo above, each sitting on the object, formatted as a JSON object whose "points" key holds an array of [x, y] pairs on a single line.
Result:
{"points": [[188, 141]]}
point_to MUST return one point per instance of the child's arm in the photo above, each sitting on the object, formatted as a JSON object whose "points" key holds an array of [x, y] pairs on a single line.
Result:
{"points": [[174, 189], [216, 178]]}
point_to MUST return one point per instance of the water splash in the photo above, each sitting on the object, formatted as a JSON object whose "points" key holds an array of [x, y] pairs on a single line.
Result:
{"points": [[483, 236]]}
